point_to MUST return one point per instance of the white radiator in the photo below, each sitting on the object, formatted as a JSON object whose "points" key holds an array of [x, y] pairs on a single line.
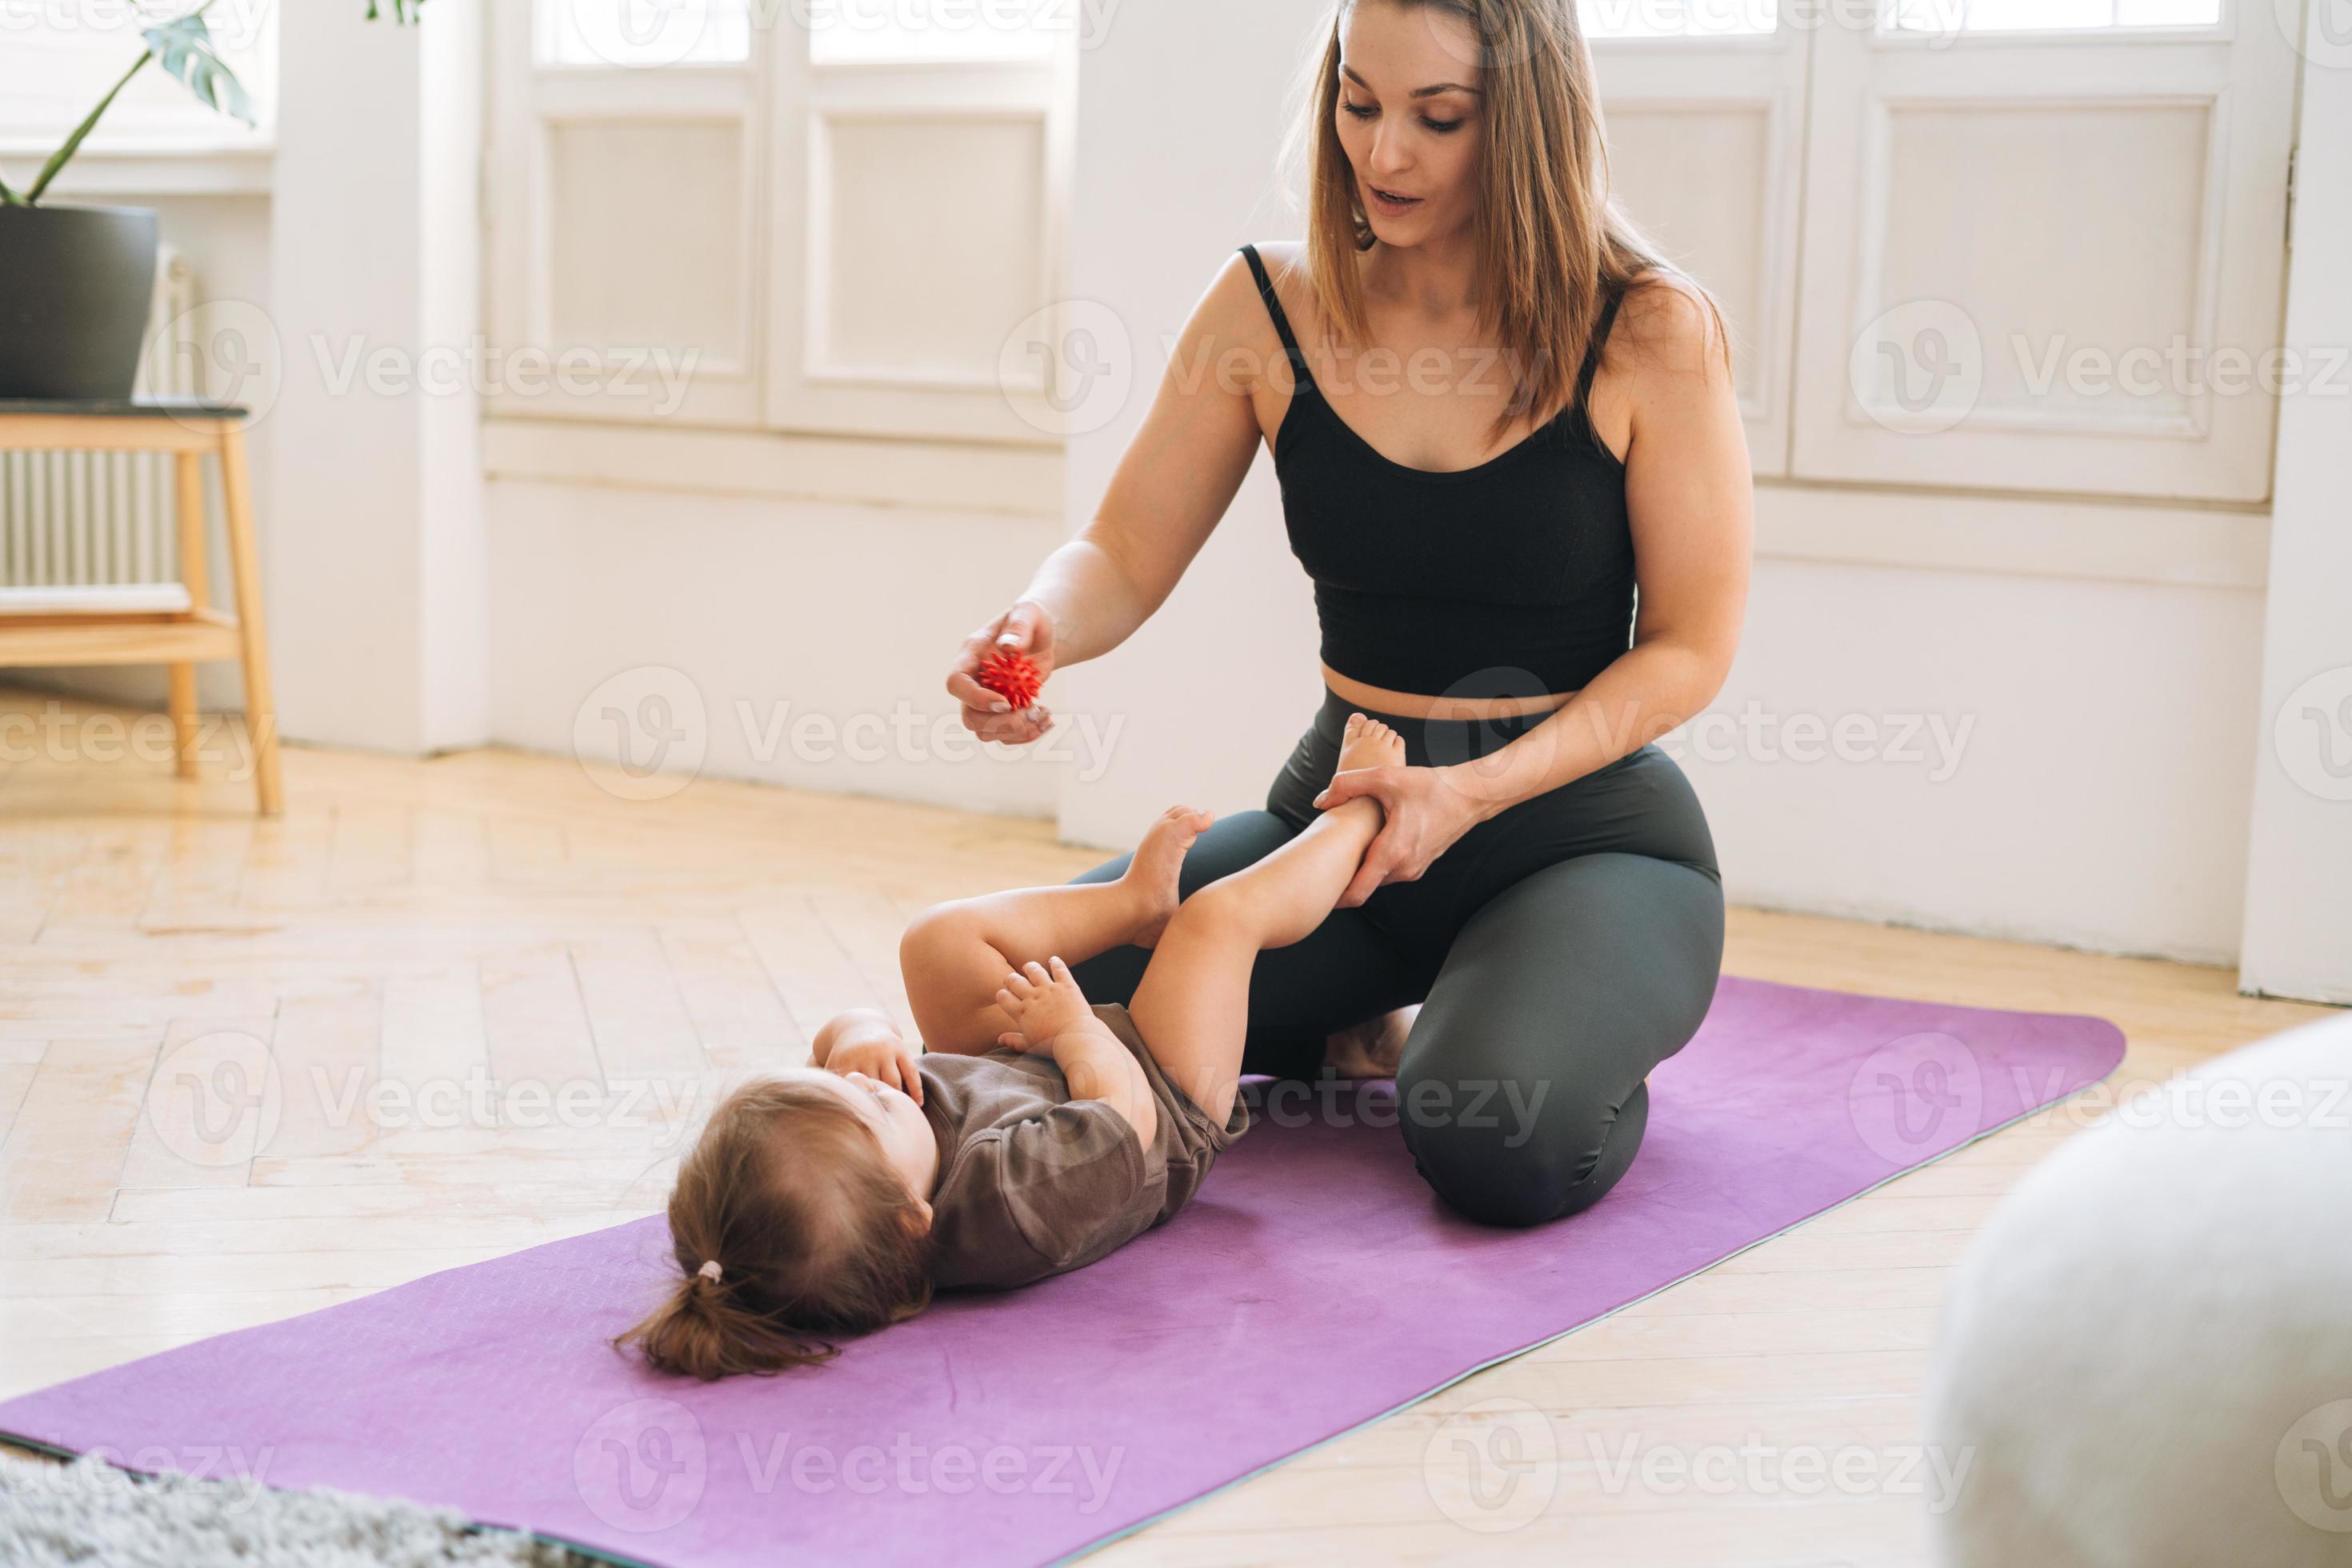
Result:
{"points": [[95, 528]]}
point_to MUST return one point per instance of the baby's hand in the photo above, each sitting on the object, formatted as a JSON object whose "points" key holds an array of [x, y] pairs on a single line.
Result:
{"points": [[883, 1061]]}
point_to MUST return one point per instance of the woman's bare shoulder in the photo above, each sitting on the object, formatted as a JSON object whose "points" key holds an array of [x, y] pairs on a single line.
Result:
{"points": [[1666, 324]]}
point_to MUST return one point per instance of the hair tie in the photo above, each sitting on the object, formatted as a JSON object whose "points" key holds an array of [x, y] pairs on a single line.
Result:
{"points": [[709, 1269]]}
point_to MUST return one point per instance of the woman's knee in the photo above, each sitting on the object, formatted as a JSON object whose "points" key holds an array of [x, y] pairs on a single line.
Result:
{"points": [[1520, 1151]]}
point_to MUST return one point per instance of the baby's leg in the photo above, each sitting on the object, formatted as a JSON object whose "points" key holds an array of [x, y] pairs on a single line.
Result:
{"points": [[954, 955], [1192, 1006]]}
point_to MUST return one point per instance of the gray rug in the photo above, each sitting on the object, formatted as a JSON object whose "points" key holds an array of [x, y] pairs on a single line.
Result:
{"points": [[87, 1512]]}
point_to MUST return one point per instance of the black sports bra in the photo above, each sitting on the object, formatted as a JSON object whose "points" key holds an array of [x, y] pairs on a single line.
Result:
{"points": [[1510, 579]]}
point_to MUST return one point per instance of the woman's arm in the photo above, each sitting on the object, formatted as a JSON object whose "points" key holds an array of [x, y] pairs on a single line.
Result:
{"points": [[1173, 483], [1690, 497]]}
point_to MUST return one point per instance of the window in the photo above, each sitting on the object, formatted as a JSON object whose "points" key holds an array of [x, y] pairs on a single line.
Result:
{"points": [[2045, 253], [59, 57], [2041, 240], [1944, 17], [721, 217]]}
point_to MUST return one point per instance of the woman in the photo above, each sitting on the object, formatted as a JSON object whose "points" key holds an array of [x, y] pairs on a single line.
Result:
{"points": [[1565, 431]]}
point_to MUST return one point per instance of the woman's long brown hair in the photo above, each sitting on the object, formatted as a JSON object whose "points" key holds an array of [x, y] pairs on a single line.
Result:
{"points": [[814, 1235], [1553, 248]]}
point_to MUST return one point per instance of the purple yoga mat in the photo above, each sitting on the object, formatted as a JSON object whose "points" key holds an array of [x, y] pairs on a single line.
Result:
{"points": [[1314, 1285]]}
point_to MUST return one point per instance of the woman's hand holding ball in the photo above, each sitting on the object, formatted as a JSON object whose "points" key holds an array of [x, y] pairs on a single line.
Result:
{"points": [[1026, 630]]}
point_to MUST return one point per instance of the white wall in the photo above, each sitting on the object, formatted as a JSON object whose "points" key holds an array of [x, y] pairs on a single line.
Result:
{"points": [[2031, 757], [841, 613]]}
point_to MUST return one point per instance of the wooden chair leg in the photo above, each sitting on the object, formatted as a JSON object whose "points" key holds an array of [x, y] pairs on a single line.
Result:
{"points": [[195, 575], [245, 569]]}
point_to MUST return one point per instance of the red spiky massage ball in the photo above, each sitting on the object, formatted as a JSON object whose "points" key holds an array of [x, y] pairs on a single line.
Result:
{"points": [[1009, 673]]}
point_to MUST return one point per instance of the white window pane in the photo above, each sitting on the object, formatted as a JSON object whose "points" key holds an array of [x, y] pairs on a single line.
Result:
{"points": [[2168, 13], [1677, 19], [843, 30], [640, 32], [58, 59], [1948, 16]]}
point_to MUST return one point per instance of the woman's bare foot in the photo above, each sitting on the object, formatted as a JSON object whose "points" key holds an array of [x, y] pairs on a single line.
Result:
{"points": [[1369, 743], [1151, 869], [1044, 1001]]}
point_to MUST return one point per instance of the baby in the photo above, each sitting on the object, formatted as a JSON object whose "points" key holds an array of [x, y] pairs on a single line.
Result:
{"points": [[1037, 1133]]}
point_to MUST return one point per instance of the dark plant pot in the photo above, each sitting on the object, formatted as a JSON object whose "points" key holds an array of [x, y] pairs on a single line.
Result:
{"points": [[75, 284]]}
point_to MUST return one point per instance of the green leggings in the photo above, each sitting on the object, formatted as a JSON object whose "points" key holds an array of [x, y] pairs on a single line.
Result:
{"points": [[1559, 950]]}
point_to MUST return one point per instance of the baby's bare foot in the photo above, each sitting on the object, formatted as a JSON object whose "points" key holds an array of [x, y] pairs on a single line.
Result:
{"points": [[1151, 870], [1369, 743], [1044, 1000]]}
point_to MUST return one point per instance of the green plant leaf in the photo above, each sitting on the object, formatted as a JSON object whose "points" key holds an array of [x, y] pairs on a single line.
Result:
{"points": [[9, 198], [184, 49]]}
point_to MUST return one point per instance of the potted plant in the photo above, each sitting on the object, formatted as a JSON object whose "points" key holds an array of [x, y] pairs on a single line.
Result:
{"points": [[76, 281]]}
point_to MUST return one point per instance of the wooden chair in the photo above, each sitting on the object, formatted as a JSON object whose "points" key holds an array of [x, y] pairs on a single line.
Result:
{"points": [[156, 623]]}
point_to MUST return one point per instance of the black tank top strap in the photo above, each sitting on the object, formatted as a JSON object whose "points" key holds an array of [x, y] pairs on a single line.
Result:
{"points": [[1592, 353], [1281, 322]]}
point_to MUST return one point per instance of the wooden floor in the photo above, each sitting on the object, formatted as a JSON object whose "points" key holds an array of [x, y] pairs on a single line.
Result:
{"points": [[491, 915]]}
